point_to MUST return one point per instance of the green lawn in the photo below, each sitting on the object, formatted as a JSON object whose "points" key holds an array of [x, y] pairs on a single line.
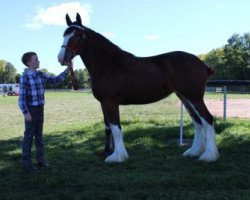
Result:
{"points": [[74, 132]]}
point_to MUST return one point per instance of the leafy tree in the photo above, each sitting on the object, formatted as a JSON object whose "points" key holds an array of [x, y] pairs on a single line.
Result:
{"points": [[237, 57], [232, 61], [87, 83], [66, 84], [215, 60], [46, 71], [17, 78], [2, 69], [7, 72], [82, 77], [51, 86]]}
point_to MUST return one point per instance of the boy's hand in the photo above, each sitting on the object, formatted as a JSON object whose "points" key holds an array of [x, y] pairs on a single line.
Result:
{"points": [[72, 75], [69, 65], [28, 117]]}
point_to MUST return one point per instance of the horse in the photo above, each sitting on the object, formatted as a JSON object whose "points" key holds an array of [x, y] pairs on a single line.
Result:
{"points": [[121, 78]]}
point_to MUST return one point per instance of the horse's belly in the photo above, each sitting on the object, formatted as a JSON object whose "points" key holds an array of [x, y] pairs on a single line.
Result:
{"points": [[143, 98]]}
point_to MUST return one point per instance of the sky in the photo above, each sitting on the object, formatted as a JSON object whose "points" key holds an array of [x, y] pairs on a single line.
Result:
{"points": [[141, 27]]}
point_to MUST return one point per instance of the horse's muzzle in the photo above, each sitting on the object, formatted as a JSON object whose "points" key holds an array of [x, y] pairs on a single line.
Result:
{"points": [[62, 62]]}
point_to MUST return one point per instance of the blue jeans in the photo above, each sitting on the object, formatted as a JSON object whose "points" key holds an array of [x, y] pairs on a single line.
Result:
{"points": [[33, 129]]}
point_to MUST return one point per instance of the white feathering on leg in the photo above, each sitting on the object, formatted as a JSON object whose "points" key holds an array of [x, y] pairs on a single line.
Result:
{"points": [[198, 146], [120, 153], [211, 152]]}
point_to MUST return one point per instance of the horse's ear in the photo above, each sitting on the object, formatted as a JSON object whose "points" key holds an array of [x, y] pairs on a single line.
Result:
{"points": [[68, 20], [78, 19]]}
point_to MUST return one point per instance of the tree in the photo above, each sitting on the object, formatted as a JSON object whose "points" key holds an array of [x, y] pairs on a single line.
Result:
{"points": [[237, 57], [66, 84], [7, 72], [215, 60], [17, 78], [82, 77], [232, 61], [62, 85], [2, 69], [87, 83]]}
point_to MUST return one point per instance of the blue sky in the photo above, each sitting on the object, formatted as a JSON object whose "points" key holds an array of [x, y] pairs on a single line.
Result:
{"points": [[142, 27]]}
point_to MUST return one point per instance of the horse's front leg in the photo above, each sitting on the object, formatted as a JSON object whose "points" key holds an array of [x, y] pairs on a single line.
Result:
{"points": [[120, 153], [112, 113], [109, 142]]}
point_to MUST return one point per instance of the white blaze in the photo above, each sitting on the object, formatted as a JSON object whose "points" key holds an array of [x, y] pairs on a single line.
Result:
{"points": [[65, 43]]}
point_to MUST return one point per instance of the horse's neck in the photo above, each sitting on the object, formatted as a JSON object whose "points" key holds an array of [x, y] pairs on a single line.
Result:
{"points": [[98, 51]]}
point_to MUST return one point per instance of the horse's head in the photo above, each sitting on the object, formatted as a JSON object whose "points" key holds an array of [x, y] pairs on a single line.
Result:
{"points": [[74, 37]]}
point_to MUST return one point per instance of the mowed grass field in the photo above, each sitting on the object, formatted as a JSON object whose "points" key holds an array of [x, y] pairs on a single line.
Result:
{"points": [[74, 133]]}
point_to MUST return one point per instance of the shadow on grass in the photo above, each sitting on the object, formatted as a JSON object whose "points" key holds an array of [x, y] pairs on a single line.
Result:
{"points": [[220, 125], [90, 140], [154, 165]]}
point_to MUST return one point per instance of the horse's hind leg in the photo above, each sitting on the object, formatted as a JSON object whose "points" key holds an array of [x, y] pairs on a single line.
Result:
{"points": [[113, 119], [204, 138], [198, 146], [211, 151]]}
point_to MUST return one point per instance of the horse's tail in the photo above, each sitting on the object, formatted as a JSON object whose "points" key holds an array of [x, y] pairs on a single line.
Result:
{"points": [[210, 71]]}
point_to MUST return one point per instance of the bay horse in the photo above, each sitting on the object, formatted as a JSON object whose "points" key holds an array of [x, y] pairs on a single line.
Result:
{"points": [[120, 78]]}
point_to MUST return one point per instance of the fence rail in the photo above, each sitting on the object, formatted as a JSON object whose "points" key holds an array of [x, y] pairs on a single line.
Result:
{"points": [[228, 82]]}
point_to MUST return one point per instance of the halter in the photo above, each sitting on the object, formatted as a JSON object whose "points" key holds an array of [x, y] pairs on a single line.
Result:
{"points": [[69, 49], [78, 46], [72, 50]]}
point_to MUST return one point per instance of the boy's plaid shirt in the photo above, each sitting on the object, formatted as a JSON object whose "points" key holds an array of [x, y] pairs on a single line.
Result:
{"points": [[32, 87]]}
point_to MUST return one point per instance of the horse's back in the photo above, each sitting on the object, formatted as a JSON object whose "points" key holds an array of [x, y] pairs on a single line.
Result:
{"points": [[140, 80], [185, 73]]}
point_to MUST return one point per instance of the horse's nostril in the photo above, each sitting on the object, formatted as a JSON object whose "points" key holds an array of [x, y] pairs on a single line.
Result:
{"points": [[62, 62]]}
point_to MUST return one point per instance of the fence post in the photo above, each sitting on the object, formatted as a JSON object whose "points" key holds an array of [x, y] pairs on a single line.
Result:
{"points": [[225, 102]]}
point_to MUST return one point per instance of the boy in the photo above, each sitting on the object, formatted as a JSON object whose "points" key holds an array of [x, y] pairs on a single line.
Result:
{"points": [[31, 103]]}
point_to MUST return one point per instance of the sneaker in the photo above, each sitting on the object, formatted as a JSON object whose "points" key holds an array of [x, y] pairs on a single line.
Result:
{"points": [[43, 164], [29, 168]]}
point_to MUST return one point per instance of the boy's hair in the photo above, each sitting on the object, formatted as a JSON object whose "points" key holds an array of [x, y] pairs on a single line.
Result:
{"points": [[26, 57]]}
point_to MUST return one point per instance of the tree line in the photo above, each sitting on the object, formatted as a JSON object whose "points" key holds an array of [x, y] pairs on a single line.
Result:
{"points": [[230, 62], [82, 77], [8, 74]]}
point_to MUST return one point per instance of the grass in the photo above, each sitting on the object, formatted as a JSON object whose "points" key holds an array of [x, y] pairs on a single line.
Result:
{"points": [[73, 133]]}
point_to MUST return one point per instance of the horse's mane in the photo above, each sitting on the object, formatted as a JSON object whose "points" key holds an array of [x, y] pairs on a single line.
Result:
{"points": [[105, 44]]}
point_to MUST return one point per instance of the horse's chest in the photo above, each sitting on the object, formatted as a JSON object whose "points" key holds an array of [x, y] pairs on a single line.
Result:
{"points": [[97, 94]]}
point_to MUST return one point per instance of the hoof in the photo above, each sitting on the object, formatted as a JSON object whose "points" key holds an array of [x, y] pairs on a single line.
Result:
{"points": [[192, 152], [116, 158], [209, 156]]}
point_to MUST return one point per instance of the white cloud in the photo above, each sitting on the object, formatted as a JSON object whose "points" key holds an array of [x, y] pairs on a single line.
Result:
{"points": [[56, 15], [152, 37]]}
